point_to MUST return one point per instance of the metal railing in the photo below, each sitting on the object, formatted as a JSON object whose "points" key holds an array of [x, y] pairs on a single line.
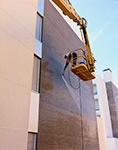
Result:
{"points": [[78, 57]]}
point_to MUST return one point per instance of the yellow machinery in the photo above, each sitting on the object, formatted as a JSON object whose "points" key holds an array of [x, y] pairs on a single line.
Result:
{"points": [[79, 65], [83, 69]]}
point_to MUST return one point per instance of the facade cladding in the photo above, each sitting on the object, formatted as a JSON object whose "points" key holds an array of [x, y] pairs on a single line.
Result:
{"points": [[17, 36], [112, 92], [67, 119]]}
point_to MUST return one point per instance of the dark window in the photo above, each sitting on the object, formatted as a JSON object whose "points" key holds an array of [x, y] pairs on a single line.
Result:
{"points": [[39, 24], [32, 141], [116, 96], [36, 74], [97, 104], [94, 89]]}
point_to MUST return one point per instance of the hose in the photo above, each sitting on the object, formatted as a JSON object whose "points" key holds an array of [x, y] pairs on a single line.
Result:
{"points": [[76, 88]]}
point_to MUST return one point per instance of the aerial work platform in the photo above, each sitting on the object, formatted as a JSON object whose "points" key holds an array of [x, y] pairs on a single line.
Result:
{"points": [[80, 65], [83, 69], [82, 72]]}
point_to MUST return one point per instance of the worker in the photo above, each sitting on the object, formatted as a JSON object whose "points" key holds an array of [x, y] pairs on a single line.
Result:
{"points": [[68, 58]]}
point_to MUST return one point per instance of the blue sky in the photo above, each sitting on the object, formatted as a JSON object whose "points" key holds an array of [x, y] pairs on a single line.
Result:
{"points": [[102, 17]]}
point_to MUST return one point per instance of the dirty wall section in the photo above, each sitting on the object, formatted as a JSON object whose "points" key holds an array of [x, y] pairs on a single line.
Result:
{"points": [[67, 116], [112, 92]]}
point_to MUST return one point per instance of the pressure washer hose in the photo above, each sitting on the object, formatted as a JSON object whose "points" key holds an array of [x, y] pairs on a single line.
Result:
{"points": [[79, 87]]}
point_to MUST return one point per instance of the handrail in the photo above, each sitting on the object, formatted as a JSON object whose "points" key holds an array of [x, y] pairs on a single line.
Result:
{"points": [[76, 60], [77, 50]]}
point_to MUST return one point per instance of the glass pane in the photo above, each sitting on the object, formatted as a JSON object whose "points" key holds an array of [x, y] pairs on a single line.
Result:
{"points": [[94, 89], [97, 104], [36, 74], [31, 141], [38, 34], [116, 96]]}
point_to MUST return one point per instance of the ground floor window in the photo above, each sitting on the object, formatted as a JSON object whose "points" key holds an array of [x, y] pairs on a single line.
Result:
{"points": [[36, 74], [32, 141]]}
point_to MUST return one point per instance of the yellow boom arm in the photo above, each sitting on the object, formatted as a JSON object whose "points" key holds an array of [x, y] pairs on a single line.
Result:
{"points": [[68, 10]]}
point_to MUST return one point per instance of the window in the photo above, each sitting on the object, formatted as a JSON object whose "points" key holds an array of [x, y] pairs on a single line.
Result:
{"points": [[98, 115], [97, 104], [39, 22], [36, 74], [32, 141], [94, 89], [116, 96]]}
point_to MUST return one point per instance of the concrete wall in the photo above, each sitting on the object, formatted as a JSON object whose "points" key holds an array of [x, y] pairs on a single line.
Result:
{"points": [[107, 73], [107, 123], [112, 92], [60, 124], [112, 144], [17, 36]]}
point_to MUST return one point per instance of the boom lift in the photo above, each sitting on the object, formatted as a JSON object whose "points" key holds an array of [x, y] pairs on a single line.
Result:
{"points": [[85, 61]]}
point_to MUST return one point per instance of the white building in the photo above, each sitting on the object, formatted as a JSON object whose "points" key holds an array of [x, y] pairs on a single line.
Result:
{"points": [[104, 93]]}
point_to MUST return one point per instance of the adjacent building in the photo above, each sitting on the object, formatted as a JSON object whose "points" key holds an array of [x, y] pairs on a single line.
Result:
{"points": [[106, 102], [40, 109]]}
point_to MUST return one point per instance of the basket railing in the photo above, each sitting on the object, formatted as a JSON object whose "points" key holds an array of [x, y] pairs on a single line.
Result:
{"points": [[78, 57]]}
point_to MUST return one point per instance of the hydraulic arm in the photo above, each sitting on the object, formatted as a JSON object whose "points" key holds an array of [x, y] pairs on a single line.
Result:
{"points": [[68, 10]]}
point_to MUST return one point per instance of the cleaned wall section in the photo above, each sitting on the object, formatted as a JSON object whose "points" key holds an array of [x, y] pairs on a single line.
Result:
{"points": [[60, 124], [17, 36]]}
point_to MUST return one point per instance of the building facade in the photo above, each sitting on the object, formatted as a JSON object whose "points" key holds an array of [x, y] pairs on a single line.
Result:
{"points": [[35, 85], [65, 121], [40, 109], [20, 54], [105, 95]]}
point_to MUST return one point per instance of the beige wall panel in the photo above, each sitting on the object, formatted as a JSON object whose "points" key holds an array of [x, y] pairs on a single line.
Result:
{"points": [[14, 105], [16, 60], [22, 11], [101, 134], [34, 3], [11, 26], [34, 112], [17, 36], [13, 139]]}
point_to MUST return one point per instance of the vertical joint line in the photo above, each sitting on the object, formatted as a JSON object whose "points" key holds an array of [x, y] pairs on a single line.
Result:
{"points": [[81, 116]]}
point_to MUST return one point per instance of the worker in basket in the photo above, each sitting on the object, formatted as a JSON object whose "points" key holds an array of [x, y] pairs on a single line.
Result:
{"points": [[68, 58]]}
